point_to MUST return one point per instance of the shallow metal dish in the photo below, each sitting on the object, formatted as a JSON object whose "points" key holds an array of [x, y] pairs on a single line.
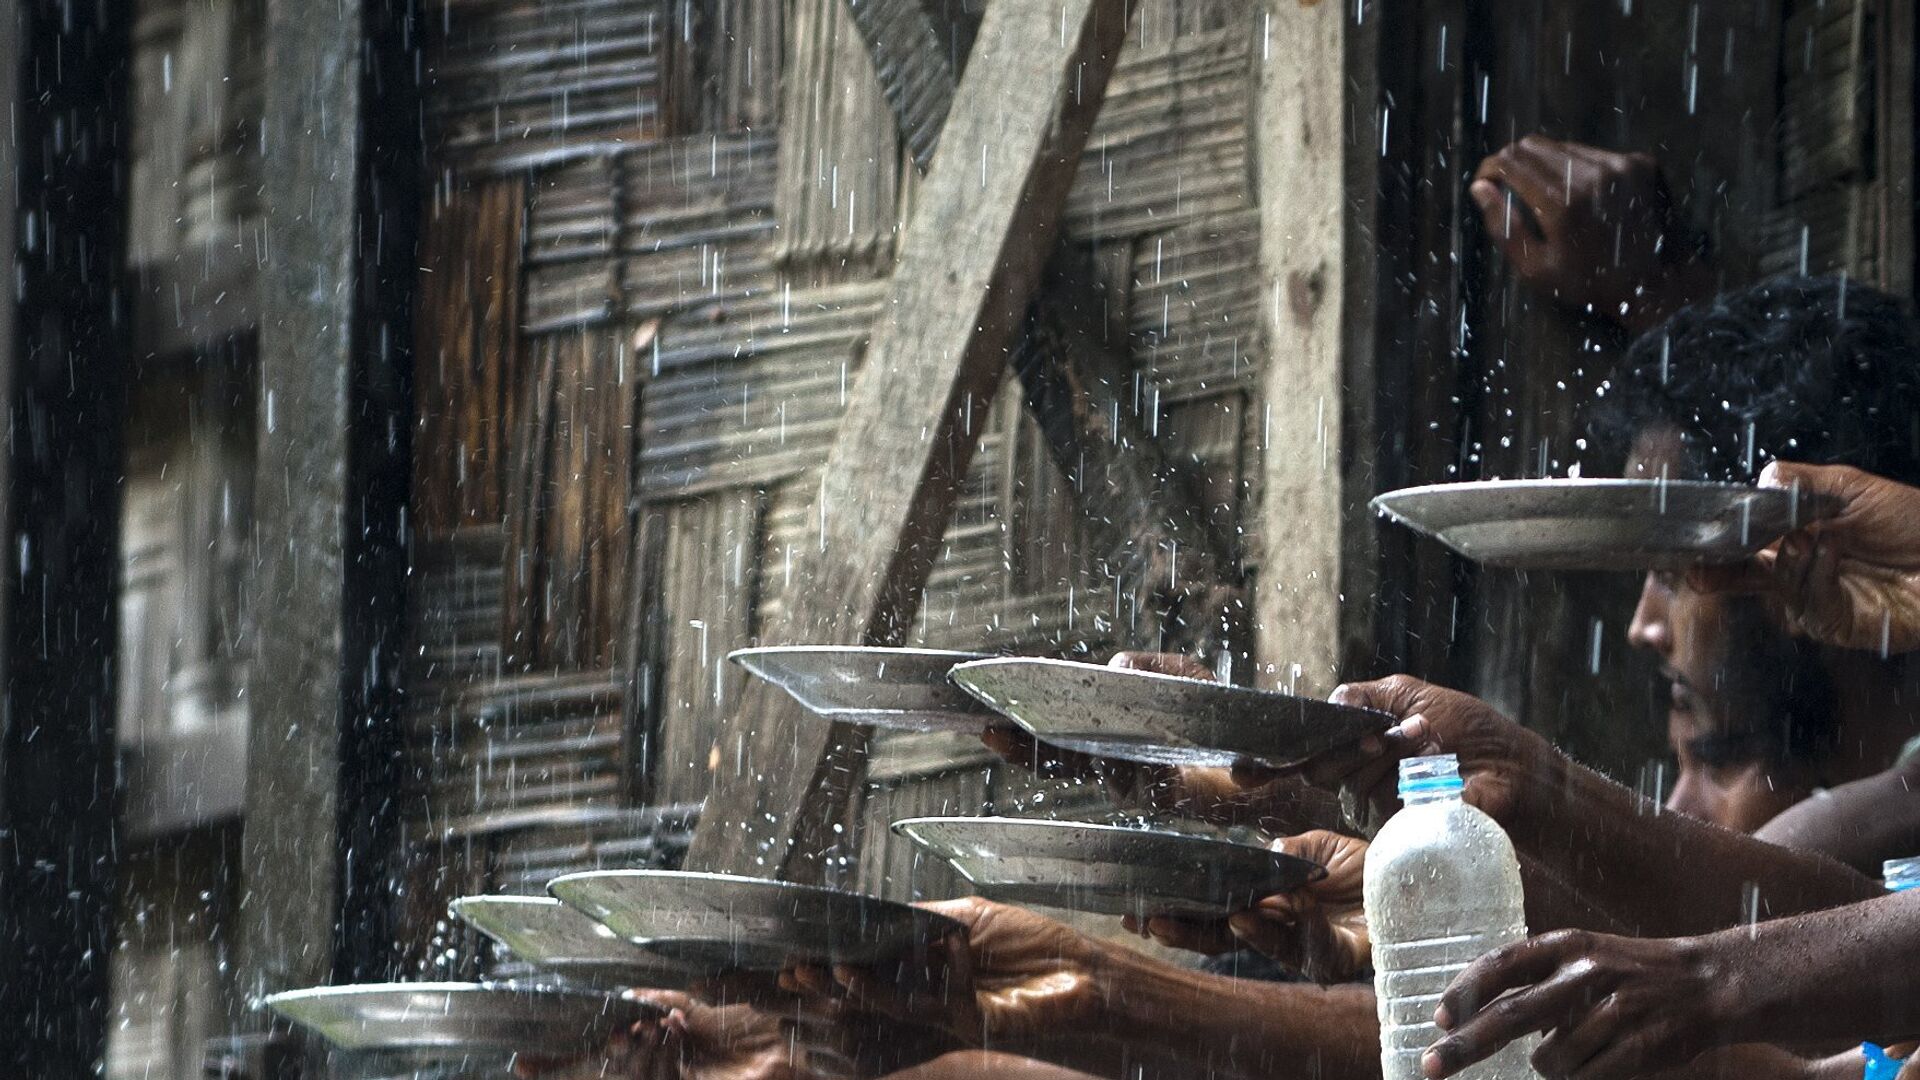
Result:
{"points": [[1602, 524], [550, 935], [900, 689], [1161, 719], [719, 922], [439, 1019], [1107, 869]]}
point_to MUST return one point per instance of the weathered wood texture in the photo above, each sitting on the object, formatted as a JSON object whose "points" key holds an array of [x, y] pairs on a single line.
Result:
{"points": [[330, 495], [194, 170], [1077, 376], [64, 380], [1317, 270], [511, 85], [968, 265], [467, 387], [839, 191]]}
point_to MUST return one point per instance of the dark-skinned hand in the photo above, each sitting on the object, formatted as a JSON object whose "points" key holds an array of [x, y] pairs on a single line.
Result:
{"points": [[694, 1040], [1319, 930], [1501, 762], [1594, 228], [1012, 976], [1851, 580], [1612, 1007]]}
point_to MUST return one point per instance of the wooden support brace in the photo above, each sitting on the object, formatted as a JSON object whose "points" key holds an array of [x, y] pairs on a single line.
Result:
{"points": [[1145, 514], [970, 262]]}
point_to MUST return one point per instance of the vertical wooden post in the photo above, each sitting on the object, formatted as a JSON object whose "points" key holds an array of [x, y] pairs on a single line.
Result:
{"points": [[330, 489], [63, 359], [1316, 167]]}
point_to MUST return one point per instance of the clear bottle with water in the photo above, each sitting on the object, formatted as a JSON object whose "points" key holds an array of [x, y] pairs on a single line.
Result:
{"points": [[1442, 888]]}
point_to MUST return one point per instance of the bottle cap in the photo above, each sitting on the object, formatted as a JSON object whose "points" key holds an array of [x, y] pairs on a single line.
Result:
{"points": [[1900, 875], [1432, 775]]}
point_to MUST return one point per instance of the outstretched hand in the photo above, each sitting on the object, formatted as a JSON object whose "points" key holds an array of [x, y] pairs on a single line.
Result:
{"points": [[1319, 930], [1851, 580], [690, 1040], [1013, 975], [1595, 228], [1504, 766], [1612, 1007]]}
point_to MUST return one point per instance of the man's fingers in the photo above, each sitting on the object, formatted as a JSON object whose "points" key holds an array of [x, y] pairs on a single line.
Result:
{"points": [[1520, 964], [1179, 664], [1270, 935], [1629, 1056], [1538, 189], [1210, 938], [1747, 577], [1503, 1020], [1568, 1049]]}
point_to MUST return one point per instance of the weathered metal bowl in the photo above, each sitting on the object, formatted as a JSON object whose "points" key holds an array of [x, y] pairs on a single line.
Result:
{"points": [[719, 922], [1161, 719], [899, 689], [1602, 524], [553, 937], [458, 1019], [1107, 869]]}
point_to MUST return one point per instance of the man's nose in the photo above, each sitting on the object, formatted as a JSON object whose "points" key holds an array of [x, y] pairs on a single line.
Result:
{"points": [[1689, 798], [1650, 628]]}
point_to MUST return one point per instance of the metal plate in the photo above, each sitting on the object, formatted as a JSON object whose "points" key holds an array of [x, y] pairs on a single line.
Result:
{"points": [[900, 689], [719, 922], [554, 937], [1161, 719], [440, 1019], [1107, 869], [1602, 524]]}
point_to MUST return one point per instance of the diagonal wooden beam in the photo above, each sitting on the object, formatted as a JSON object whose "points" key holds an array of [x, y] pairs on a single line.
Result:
{"points": [[969, 265], [918, 55], [1145, 514]]}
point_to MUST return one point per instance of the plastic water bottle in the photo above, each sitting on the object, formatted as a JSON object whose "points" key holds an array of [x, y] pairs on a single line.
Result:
{"points": [[1442, 888], [1899, 875]]}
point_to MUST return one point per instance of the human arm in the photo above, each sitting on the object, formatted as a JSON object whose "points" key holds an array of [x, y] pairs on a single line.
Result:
{"points": [[1862, 824], [1019, 980], [1318, 930], [1614, 1006], [1851, 580], [1594, 228], [1662, 874]]}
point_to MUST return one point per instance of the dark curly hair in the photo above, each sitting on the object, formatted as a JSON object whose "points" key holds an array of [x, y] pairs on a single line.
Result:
{"points": [[1822, 370]]}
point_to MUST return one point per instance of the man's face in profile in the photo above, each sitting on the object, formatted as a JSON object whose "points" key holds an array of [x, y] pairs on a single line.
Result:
{"points": [[1732, 679]]}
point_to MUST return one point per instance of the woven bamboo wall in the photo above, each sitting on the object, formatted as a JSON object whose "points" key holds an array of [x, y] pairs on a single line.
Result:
{"points": [[639, 317]]}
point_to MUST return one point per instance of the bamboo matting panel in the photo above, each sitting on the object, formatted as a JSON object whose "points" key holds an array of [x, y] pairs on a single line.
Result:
{"points": [[1195, 311], [467, 358], [1170, 146], [667, 226], [568, 504], [513, 85], [840, 155]]}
